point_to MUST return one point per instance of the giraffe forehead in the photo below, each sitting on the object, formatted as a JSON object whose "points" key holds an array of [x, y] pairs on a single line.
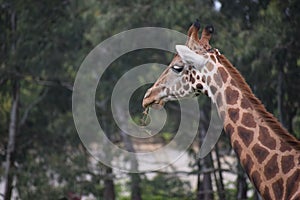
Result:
{"points": [[189, 75], [176, 61]]}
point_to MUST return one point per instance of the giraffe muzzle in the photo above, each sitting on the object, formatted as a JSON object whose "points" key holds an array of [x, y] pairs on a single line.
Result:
{"points": [[156, 104], [151, 99]]}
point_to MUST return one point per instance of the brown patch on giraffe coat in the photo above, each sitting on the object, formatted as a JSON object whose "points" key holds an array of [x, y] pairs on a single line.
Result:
{"points": [[203, 79], [248, 120], [290, 184], [278, 189], [199, 86], [223, 74], [231, 96], [194, 72], [271, 168], [229, 129], [209, 66], [284, 147], [218, 80], [287, 163], [192, 79], [219, 100], [266, 194], [245, 103], [183, 80], [213, 58], [178, 85], [246, 135], [198, 77], [213, 89], [256, 179], [233, 83], [233, 114], [247, 164], [265, 138], [186, 87], [237, 148], [208, 80], [260, 152]]}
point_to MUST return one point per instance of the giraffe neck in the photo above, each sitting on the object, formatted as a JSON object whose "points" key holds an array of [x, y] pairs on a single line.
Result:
{"points": [[269, 155]]}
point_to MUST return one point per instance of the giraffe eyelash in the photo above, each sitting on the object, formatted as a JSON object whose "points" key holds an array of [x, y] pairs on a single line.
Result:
{"points": [[177, 68]]}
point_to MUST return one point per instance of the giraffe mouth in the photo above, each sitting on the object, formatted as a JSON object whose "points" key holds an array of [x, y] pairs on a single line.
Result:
{"points": [[155, 104], [154, 98]]}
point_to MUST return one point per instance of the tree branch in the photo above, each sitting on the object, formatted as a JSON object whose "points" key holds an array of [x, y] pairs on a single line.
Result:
{"points": [[26, 112], [45, 82]]}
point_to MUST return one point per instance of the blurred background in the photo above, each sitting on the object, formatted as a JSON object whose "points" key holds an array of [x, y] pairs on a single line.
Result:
{"points": [[43, 43]]}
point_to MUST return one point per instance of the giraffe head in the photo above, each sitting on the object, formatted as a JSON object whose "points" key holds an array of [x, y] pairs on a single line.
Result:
{"points": [[186, 75]]}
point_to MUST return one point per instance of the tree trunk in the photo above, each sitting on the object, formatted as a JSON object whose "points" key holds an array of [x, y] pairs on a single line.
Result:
{"points": [[219, 178], [242, 186], [135, 187], [13, 129], [205, 190], [280, 95], [135, 177], [199, 188], [109, 188]]}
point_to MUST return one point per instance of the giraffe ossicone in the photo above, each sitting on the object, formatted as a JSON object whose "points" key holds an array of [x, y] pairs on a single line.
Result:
{"points": [[268, 153]]}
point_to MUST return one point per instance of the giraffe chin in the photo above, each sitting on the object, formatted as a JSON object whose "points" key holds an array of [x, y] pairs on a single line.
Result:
{"points": [[158, 105]]}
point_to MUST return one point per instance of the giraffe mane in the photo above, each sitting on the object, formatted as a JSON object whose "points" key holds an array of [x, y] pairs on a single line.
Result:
{"points": [[272, 122]]}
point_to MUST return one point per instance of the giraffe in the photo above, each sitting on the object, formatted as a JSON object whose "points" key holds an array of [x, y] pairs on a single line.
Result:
{"points": [[268, 153]]}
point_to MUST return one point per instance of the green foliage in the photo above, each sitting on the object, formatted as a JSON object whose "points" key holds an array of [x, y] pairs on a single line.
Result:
{"points": [[296, 125], [165, 186]]}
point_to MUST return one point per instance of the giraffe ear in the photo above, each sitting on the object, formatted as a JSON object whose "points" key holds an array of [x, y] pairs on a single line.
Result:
{"points": [[190, 57]]}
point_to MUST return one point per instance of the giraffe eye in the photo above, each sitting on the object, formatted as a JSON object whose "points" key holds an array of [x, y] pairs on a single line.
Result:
{"points": [[177, 68]]}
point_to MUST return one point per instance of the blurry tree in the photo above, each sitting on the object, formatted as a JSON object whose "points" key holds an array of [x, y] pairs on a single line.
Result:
{"points": [[36, 72], [166, 186], [42, 45]]}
